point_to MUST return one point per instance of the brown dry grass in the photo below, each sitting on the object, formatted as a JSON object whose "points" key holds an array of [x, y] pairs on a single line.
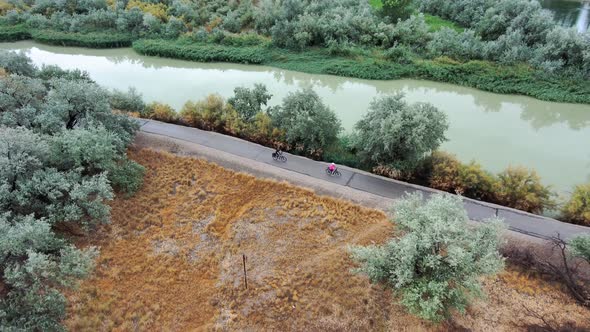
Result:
{"points": [[172, 260]]}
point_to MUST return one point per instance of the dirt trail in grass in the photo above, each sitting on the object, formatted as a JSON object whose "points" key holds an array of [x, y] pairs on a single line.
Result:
{"points": [[172, 260]]}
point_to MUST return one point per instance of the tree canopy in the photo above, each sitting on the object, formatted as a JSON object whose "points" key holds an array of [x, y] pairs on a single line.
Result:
{"points": [[399, 135], [436, 258], [62, 150]]}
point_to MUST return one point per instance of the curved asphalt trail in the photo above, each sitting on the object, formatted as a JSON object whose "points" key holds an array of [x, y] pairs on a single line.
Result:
{"points": [[516, 220]]}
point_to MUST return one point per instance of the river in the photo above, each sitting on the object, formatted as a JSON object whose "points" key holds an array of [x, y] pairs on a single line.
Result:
{"points": [[495, 130], [570, 13]]}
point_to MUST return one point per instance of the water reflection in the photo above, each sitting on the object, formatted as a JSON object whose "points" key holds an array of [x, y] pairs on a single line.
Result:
{"points": [[496, 130], [574, 119]]}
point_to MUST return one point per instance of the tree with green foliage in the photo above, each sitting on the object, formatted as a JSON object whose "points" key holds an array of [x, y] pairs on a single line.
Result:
{"points": [[308, 123], [17, 63], [95, 151], [577, 208], [62, 150], [580, 247], [160, 111], [248, 102], [397, 9], [51, 71], [436, 262], [521, 188], [36, 266], [130, 101], [399, 135], [174, 27], [59, 191]]}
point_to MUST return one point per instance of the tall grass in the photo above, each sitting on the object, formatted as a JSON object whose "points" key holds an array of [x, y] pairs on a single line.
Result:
{"points": [[14, 33], [201, 52], [92, 39]]}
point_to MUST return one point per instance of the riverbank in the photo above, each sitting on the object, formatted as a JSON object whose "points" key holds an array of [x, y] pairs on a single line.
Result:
{"points": [[483, 75], [372, 64]]}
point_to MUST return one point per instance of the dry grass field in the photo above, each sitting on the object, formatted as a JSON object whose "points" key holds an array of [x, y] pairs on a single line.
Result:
{"points": [[171, 260]]}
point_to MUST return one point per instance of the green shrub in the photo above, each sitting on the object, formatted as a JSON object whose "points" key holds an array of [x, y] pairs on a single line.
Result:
{"points": [[161, 112], [339, 48], [400, 54], [580, 247], [48, 72], [17, 63], [396, 9], [507, 80], [14, 33], [260, 129], [245, 39], [130, 101], [213, 113], [577, 208], [442, 171], [126, 176], [343, 152], [399, 135], [201, 52], [436, 263], [308, 123], [60, 155], [249, 102], [36, 266], [435, 23], [520, 188], [475, 182], [91, 39]]}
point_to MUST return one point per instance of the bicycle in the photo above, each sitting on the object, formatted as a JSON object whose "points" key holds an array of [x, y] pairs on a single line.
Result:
{"points": [[335, 172], [278, 156]]}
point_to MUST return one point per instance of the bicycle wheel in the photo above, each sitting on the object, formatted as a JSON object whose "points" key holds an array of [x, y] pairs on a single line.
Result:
{"points": [[337, 173], [282, 158], [328, 172]]}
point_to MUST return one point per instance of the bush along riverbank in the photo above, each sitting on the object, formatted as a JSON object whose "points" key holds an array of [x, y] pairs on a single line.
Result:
{"points": [[476, 44], [91, 40], [52, 37], [376, 150]]}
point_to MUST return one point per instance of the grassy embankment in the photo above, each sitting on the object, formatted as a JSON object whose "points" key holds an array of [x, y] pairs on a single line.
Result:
{"points": [[92, 40], [172, 260]]}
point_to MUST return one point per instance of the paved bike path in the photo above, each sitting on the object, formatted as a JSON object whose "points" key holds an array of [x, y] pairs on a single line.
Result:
{"points": [[516, 220]]}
